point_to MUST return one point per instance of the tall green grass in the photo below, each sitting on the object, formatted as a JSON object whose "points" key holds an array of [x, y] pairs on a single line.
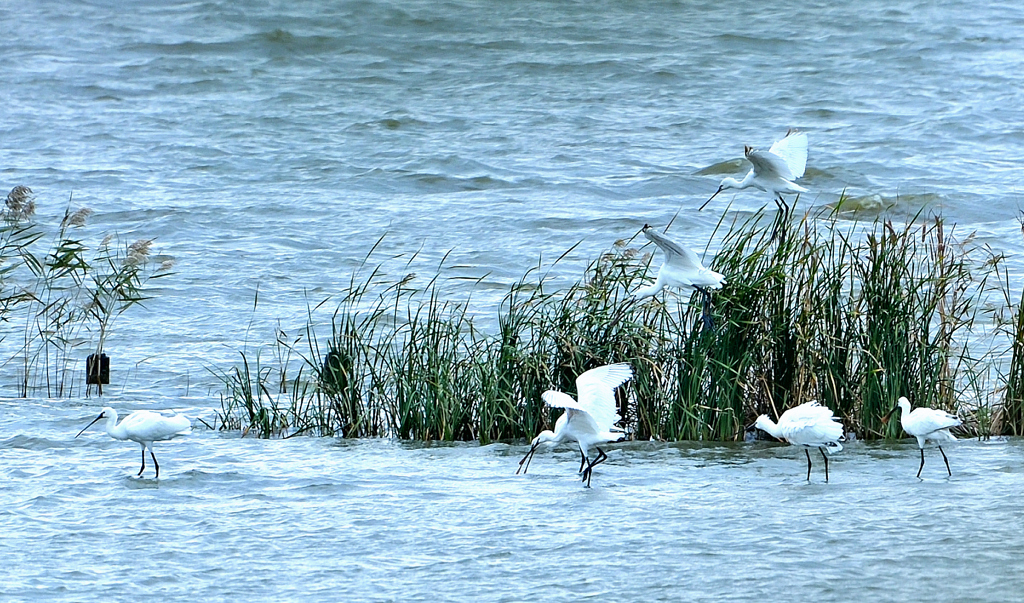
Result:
{"points": [[816, 307], [1008, 419]]}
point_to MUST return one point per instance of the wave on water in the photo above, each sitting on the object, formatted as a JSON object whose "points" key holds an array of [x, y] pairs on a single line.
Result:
{"points": [[27, 442]]}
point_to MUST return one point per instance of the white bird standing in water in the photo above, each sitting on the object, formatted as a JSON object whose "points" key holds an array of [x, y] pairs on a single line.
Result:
{"points": [[773, 171], [926, 424], [681, 268], [144, 427], [810, 425], [590, 421]]}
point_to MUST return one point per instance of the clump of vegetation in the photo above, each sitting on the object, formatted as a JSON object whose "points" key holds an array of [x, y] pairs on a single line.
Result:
{"points": [[61, 294], [1008, 418], [854, 315]]}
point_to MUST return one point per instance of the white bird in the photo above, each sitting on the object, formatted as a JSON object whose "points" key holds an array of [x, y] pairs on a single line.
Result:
{"points": [[590, 421], [681, 268], [773, 171], [926, 424], [144, 427], [810, 425]]}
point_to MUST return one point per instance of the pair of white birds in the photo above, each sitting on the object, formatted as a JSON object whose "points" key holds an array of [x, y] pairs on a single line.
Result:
{"points": [[772, 171], [811, 425]]}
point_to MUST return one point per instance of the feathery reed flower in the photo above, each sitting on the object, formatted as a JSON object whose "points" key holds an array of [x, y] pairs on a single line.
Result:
{"points": [[21, 202], [76, 218]]}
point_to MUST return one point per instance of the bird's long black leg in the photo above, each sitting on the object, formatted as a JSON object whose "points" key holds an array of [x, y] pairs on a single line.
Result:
{"points": [[589, 471], [922, 463], [947, 462], [143, 462], [826, 462], [155, 464], [583, 461], [529, 455], [709, 322], [808, 464], [779, 230]]}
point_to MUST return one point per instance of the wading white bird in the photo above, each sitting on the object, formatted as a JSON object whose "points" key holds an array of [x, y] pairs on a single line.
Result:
{"points": [[810, 425], [590, 421], [681, 268], [926, 424], [144, 427], [773, 171]]}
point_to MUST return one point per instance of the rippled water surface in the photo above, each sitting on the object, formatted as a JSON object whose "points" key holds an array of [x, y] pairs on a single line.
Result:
{"points": [[325, 519], [268, 145]]}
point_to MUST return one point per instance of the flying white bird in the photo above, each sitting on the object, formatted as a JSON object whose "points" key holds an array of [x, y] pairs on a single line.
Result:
{"points": [[682, 269], [144, 427], [773, 171], [926, 424], [810, 425], [590, 421]]}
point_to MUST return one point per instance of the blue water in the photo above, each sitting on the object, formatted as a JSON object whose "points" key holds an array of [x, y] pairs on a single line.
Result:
{"points": [[268, 145]]}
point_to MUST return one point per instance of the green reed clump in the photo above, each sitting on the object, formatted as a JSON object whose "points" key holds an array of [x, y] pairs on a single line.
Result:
{"points": [[1009, 417], [1012, 416], [851, 314], [912, 304]]}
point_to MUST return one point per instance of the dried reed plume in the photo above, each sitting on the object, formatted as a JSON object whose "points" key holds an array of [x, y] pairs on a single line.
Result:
{"points": [[20, 203], [76, 218]]}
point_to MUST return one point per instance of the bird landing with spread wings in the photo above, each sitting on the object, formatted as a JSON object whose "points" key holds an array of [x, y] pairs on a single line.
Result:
{"points": [[682, 269], [773, 171], [590, 420]]}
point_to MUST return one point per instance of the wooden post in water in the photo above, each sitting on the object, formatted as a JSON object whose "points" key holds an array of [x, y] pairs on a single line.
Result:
{"points": [[97, 373]]}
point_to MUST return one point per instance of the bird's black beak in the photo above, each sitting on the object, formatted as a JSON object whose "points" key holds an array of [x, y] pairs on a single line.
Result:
{"points": [[720, 189], [89, 425], [528, 455], [885, 419]]}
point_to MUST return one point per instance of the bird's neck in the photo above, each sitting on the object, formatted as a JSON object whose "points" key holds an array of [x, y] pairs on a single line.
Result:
{"points": [[768, 425], [114, 430], [546, 437], [904, 413], [738, 184]]}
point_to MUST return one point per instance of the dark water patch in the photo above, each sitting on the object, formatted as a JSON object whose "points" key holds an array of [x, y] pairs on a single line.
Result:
{"points": [[732, 166]]}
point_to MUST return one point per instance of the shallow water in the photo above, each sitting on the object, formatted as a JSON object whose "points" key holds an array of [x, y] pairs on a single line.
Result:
{"points": [[377, 520], [268, 146]]}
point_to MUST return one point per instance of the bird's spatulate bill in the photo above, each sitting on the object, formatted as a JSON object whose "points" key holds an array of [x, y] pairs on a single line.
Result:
{"points": [[720, 189], [90, 424]]}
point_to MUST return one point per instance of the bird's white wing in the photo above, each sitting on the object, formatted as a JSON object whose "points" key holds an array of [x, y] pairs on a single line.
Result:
{"points": [[596, 391], [769, 165], [808, 411], [793, 150], [675, 254], [811, 423], [151, 426], [557, 399], [929, 419]]}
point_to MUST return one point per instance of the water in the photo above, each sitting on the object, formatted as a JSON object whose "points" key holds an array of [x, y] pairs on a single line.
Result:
{"points": [[268, 146], [325, 519]]}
